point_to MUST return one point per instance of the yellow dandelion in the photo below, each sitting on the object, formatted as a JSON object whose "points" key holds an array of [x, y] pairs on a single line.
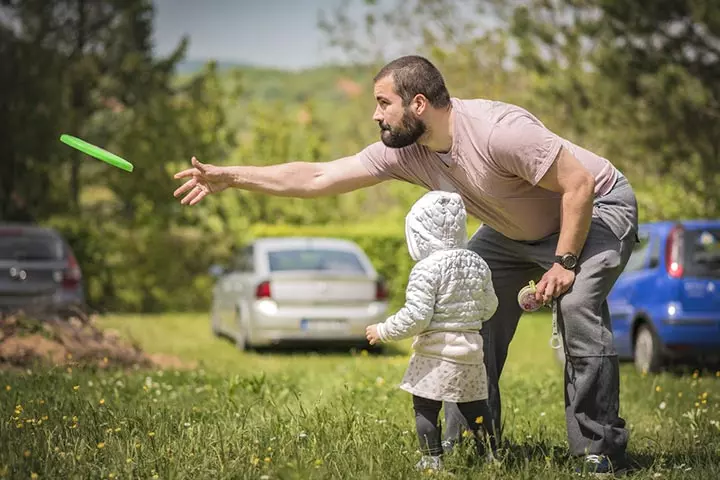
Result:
{"points": [[364, 353], [697, 404], [138, 445], [26, 453], [704, 402], [254, 460], [75, 418], [151, 434], [128, 460], [269, 449], [102, 401], [68, 356], [658, 388], [117, 429], [101, 445], [41, 402], [105, 360], [267, 460], [680, 394], [19, 425], [108, 430], [111, 475], [76, 387], [318, 462], [479, 420], [155, 476], [8, 387], [34, 475], [717, 374], [704, 395]]}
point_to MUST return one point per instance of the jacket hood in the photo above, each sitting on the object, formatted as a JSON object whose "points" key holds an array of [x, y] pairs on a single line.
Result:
{"points": [[437, 221]]}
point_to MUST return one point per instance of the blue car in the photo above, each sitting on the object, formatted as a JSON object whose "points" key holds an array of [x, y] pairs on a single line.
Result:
{"points": [[666, 304]]}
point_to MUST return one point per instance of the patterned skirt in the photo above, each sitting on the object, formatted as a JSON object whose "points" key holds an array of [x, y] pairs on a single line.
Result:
{"points": [[441, 380]]}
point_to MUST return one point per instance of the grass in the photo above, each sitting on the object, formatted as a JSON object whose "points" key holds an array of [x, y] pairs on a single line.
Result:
{"points": [[316, 416]]}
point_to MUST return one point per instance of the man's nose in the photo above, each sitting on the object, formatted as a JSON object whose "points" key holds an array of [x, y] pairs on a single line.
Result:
{"points": [[377, 115]]}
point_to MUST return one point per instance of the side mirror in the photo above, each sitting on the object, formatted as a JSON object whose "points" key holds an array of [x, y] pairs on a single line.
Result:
{"points": [[216, 271]]}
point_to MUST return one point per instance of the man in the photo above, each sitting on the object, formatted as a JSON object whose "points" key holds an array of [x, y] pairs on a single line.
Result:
{"points": [[551, 210]]}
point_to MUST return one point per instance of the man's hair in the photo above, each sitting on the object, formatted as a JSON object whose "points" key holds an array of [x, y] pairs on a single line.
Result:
{"points": [[415, 75]]}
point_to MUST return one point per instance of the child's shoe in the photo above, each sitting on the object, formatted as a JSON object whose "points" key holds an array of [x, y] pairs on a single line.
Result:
{"points": [[429, 462]]}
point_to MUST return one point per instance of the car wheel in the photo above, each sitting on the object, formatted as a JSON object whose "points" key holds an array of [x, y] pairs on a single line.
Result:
{"points": [[647, 353]]}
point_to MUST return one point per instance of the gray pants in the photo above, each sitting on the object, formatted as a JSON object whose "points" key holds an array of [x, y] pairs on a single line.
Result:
{"points": [[592, 383]]}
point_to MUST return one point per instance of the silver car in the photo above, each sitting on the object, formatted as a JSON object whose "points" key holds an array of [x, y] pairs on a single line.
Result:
{"points": [[38, 271], [294, 289]]}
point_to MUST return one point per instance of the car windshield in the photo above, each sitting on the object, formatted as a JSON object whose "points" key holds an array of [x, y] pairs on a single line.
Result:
{"points": [[702, 252], [315, 260], [29, 248]]}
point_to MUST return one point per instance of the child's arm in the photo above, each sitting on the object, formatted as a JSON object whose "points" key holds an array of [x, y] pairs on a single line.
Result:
{"points": [[490, 299], [419, 306]]}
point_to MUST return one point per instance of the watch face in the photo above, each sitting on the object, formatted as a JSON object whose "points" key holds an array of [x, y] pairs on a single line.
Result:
{"points": [[569, 261]]}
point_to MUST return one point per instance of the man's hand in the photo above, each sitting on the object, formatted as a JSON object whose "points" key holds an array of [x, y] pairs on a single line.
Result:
{"points": [[371, 334], [554, 283], [204, 179]]}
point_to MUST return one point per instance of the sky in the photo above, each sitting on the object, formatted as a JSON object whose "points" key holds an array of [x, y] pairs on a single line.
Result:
{"points": [[273, 33]]}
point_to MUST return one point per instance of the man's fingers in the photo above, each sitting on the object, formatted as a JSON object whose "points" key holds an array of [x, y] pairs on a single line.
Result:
{"points": [[185, 187], [198, 164], [200, 196], [187, 173], [191, 196], [549, 292], [540, 289]]}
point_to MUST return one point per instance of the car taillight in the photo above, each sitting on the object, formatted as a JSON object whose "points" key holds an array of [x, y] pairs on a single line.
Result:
{"points": [[72, 273], [381, 291], [263, 290], [674, 252]]}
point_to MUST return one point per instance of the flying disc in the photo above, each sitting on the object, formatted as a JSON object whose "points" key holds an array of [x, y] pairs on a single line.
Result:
{"points": [[97, 152]]}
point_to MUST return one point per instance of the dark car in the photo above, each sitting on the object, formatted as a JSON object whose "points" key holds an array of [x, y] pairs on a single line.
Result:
{"points": [[38, 270]]}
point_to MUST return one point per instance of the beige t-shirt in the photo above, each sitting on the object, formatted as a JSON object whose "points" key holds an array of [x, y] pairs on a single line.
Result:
{"points": [[499, 154]]}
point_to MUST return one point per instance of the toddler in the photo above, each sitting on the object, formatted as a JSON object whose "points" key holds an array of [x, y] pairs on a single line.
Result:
{"points": [[449, 295]]}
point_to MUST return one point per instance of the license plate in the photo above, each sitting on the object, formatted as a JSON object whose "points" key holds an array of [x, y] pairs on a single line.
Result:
{"points": [[321, 324]]}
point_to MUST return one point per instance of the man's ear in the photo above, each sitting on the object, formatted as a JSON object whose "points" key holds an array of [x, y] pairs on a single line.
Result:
{"points": [[419, 104]]}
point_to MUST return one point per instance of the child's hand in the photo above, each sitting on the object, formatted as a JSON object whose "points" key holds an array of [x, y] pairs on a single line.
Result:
{"points": [[372, 334]]}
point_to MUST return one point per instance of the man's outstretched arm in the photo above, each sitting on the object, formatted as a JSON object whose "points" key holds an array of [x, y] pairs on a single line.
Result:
{"points": [[293, 179]]}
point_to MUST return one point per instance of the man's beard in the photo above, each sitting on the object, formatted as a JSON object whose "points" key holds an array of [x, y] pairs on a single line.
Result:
{"points": [[409, 131]]}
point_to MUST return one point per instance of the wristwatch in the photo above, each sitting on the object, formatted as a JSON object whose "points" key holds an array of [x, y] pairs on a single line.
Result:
{"points": [[568, 261]]}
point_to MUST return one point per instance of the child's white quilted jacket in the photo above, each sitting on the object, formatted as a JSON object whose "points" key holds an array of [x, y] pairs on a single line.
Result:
{"points": [[449, 289]]}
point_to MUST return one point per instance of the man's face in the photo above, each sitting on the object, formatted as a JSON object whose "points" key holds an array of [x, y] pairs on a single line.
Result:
{"points": [[399, 126]]}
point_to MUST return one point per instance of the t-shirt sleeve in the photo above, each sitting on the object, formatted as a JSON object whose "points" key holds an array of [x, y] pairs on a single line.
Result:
{"points": [[523, 146], [378, 161], [385, 163]]}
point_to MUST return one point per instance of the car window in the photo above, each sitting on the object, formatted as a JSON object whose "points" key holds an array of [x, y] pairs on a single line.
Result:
{"points": [[639, 257], [326, 260], [702, 252], [30, 247]]}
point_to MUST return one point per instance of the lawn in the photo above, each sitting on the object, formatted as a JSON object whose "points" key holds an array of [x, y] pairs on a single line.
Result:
{"points": [[316, 415]]}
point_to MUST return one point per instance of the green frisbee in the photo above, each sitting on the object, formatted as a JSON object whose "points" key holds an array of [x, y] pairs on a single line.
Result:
{"points": [[97, 152]]}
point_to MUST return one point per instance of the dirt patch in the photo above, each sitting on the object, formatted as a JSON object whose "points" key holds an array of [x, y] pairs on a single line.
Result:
{"points": [[50, 339]]}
